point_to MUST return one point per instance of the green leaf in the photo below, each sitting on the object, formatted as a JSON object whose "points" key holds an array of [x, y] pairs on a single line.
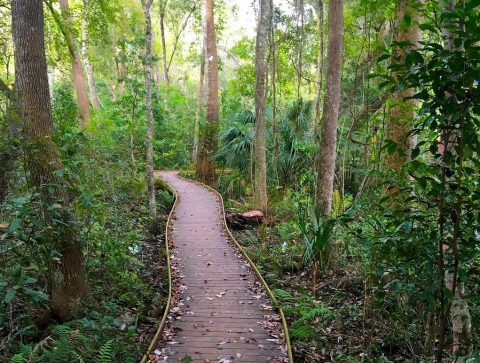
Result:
{"points": [[14, 225], [9, 295], [472, 4], [415, 152], [383, 57]]}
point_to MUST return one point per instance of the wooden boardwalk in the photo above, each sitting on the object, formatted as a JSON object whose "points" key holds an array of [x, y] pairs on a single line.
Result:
{"points": [[220, 311]]}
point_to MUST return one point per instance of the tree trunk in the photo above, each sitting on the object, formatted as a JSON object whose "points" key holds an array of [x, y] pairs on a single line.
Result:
{"points": [[88, 66], [198, 112], [119, 65], [401, 112], [260, 156], [152, 205], [205, 162], [163, 7], [301, 14], [318, 98], [67, 274], [326, 155], [459, 310], [77, 68]]}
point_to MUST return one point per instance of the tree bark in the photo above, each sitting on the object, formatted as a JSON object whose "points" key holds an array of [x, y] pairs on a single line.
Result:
{"points": [[460, 317], [318, 98], [77, 67], [67, 282], [205, 162], [273, 79], [152, 205], [326, 155], [402, 110], [163, 9], [88, 66], [198, 112], [260, 156]]}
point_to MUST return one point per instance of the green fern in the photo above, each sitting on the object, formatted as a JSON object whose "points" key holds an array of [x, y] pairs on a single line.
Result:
{"points": [[283, 295], [61, 331], [18, 358], [316, 312], [302, 332], [78, 358], [105, 354], [62, 352]]}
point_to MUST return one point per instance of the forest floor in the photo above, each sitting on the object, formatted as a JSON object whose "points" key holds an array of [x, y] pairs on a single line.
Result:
{"points": [[330, 324]]}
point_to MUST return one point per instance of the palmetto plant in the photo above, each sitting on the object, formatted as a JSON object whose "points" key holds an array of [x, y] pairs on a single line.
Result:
{"points": [[236, 142], [316, 231], [295, 136]]}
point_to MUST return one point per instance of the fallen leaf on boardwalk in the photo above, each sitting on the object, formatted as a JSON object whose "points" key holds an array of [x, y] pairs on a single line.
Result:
{"points": [[210, 298], [251, 330], [221, 294], [272, 340], [238, 355]]}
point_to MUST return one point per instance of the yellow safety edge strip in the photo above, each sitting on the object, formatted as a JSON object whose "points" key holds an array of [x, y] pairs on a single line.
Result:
{"points": [[169, 272], [257, 272]]}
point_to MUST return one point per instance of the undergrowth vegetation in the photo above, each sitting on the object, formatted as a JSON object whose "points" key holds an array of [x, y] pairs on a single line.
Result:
{"points": [[123, 248]]}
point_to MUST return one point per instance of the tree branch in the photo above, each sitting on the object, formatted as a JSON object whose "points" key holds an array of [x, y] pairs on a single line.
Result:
{"points": [[177, 36]]}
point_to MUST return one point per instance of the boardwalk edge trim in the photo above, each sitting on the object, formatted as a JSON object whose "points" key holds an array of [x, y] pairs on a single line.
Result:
{"points": [[156, 338], [254, 268]]}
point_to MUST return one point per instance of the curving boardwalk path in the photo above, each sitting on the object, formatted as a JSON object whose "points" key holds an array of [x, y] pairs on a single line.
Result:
{"points": [[220, 311]]}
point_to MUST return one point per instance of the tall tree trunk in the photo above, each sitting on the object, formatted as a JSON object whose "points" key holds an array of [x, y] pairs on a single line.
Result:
{"points": [[198, 112], [459, 310], [260, 156], [163, 9], [77, 68], [327, 143], [320, 62], [301, 14], [156, 75], [273, 51], [152, 205], [67, 274], [205, 162], [88, 66], [402, 110]]}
